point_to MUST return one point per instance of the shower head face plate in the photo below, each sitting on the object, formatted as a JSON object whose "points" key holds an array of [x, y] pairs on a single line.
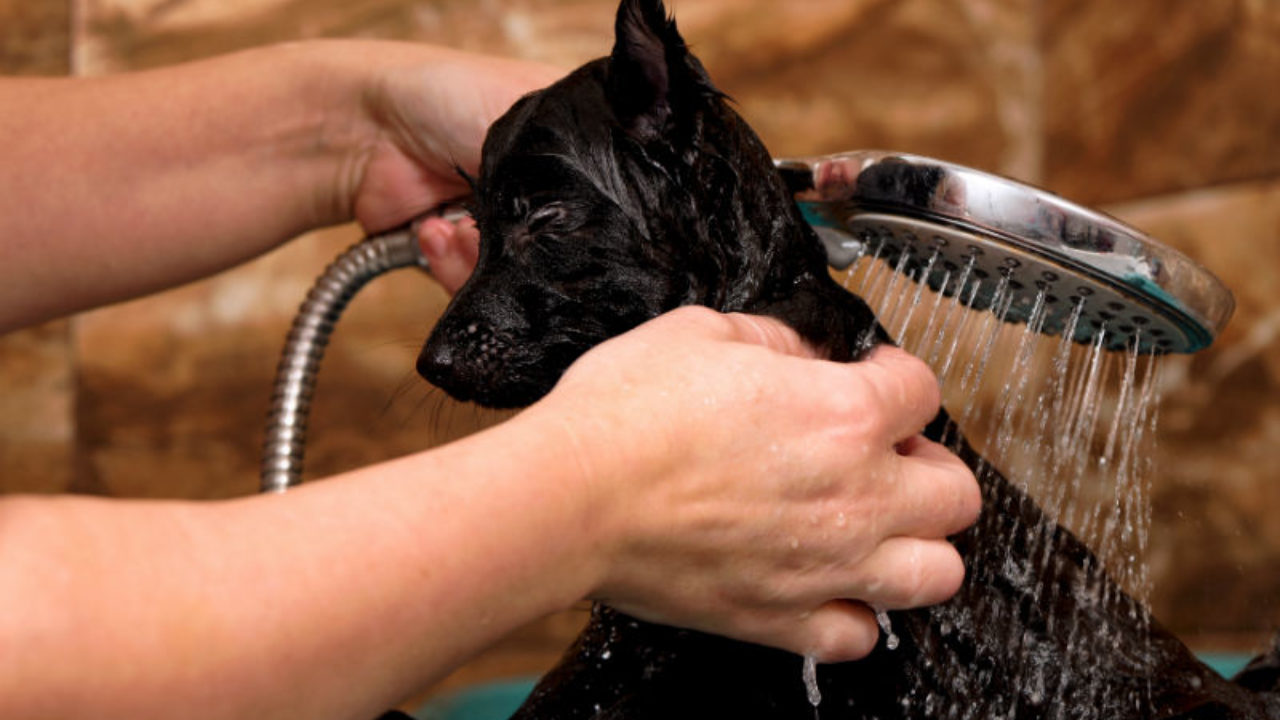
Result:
{"points": [[1020, 252], [1021, 286]]}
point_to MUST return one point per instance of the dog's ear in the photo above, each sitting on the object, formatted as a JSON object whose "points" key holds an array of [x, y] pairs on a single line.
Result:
{"points": [[653, 78]]}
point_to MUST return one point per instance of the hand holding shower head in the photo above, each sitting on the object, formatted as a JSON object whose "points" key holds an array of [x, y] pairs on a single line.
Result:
{"points": [[970, 233]]}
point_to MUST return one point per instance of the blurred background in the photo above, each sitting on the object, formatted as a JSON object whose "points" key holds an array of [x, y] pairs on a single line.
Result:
{"points": [[1165, 113]]}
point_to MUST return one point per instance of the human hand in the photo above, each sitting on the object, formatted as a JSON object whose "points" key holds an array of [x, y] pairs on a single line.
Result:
{"points": [[741, 487], [429, 109], [451, 247]]}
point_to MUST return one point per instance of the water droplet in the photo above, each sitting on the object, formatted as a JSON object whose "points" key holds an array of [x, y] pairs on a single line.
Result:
{"points": [[886, 627], [810, 677]]}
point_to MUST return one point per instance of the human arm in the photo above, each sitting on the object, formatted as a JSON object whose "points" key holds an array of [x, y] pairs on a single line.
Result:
{"points": [[773, 486], [120, 185]]}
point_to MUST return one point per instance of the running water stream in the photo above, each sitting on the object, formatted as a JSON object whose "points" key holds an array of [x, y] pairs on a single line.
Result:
{"points": [[1071, 423]]}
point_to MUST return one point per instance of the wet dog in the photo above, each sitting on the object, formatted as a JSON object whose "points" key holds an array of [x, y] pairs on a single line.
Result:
{"points": [[631, 187]]}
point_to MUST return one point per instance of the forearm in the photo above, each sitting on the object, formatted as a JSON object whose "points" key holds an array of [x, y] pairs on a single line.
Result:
{"points": [[328, 601], [120, 185]]}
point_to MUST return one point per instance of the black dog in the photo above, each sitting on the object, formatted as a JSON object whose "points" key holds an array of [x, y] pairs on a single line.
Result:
{"points": [[630, 188]]}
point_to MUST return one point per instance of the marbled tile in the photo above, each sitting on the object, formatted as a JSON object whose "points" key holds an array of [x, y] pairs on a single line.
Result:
{"points": [[1216, 540], [952, 80], [37, 437], [124, 34], [35, 37], [37, 395], [1149, 97], [957, 80]]}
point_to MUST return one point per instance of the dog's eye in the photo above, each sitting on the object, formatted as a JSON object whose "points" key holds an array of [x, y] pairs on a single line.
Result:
{"points": [[546, 218]]}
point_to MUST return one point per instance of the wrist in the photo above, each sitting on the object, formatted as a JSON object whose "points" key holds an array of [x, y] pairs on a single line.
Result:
{"points": [[380, 127], [549, 447], [600, 472], [336, 134]]}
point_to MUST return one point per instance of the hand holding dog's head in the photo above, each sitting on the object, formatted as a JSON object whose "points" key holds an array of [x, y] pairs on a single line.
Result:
{"points": [[626, 189]]}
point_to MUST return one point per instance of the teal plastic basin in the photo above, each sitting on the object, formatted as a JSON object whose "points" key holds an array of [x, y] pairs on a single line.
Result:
{"points": [[496, 700]]}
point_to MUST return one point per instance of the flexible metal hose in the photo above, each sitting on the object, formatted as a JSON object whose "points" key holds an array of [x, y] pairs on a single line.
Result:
{"points": [[304, 347]]}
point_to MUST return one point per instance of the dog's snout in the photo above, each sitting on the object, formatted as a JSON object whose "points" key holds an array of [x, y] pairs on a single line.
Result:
{"points": [[464, 358], [479, 346], [435, 362]]}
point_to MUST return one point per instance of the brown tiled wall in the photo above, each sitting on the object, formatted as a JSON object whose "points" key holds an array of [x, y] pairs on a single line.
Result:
{"points": [[1164, 113]]}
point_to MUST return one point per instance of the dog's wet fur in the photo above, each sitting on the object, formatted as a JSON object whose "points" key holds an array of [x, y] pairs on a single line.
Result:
{"points": [[631, 187]]}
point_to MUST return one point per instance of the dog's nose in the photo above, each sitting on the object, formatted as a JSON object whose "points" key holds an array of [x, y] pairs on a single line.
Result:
{"points": [[435, 363]]}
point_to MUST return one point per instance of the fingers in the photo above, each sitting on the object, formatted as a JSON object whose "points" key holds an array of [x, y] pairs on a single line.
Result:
{"points": [[902, 573], [936, 494], [837, 631], [777, 448], [451, 249], [896, 379], [905, 572]]}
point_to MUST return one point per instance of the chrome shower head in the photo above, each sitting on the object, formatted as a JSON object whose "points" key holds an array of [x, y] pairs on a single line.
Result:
{"points": [[998, 242]]}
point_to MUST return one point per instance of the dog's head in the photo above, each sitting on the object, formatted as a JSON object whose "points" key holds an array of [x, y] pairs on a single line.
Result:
{"points": [[624, 190]]}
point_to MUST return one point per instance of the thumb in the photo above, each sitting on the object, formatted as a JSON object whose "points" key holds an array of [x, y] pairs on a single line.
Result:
{"points": [[450, 248]]}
